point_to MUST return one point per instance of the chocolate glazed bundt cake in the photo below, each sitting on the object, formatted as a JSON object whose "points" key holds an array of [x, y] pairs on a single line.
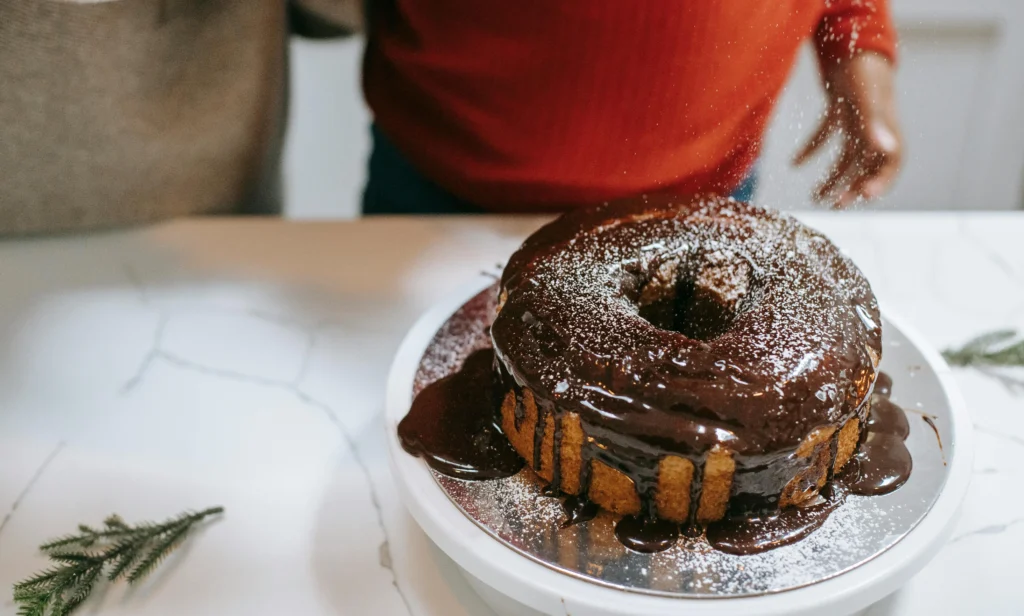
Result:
{"points": [[685, 360]]}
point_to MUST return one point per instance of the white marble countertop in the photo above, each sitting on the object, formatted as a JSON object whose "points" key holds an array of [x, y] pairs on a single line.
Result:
{"points": [[242, 363]]}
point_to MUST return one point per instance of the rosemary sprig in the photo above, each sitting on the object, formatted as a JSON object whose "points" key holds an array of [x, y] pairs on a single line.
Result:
{"points": [[998, 348], [130, 552], [994, 354]]}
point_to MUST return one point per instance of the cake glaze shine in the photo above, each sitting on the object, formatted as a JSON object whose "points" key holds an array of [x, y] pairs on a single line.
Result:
{"points": [[684, 359]]}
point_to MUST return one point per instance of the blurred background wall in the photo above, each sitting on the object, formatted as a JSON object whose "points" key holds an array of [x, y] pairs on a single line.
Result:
{"points": [[961, 98]]}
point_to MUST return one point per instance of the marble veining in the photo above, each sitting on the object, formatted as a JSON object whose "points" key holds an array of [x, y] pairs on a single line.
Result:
{"points": [[1013, 438], [993, 529], [28, 486], [293, 386], [997, 259]]}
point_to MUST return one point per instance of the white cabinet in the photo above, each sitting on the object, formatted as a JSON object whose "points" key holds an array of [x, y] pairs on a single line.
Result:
{"points": [[328, 130], [961, 101]]}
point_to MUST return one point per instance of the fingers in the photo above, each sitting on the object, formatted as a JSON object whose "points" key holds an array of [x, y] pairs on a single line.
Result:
{"points": [[828, 125], [867, 187], [838, 176], [871, 151], [876, 166]]}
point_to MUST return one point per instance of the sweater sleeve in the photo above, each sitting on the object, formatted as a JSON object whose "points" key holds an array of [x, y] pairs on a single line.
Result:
{"points": [[851, 26]]}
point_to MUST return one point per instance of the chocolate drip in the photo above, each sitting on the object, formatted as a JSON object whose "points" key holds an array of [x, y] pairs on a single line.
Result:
{"points": [[770, 530], [519, 413], [453, 424], [646, 490], [586, 457], [883, 385], [644, 534], [882, 462], [538, 435], [556, 454], [578, 510], [887, 418], [833, 452], [696, 490], [928, 419], [641, 466], [551, 492]]}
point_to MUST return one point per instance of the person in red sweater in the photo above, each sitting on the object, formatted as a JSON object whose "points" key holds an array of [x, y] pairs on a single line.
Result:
{"points": [[537, 105]]}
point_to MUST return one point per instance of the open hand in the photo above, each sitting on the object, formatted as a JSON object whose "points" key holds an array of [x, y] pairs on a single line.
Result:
{"points": [[862, 110]]}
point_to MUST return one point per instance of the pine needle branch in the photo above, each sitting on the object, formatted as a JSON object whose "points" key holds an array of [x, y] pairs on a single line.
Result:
{"points": [[998, 348], [130, 552], [169, 541], [122, 556]]}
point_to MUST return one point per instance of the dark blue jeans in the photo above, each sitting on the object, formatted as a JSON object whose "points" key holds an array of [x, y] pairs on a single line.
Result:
{"points": [[394, 186]]}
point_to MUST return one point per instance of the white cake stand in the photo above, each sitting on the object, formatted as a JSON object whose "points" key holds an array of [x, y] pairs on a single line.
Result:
{"points": [[513, 584]]}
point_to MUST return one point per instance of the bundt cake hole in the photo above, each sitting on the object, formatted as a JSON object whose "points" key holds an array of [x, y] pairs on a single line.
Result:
{"points": [[701, 306]]}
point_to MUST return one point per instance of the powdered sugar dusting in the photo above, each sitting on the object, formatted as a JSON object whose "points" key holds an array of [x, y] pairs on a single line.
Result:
{"points": [[515, 511], [803, 336], [467, 330]]}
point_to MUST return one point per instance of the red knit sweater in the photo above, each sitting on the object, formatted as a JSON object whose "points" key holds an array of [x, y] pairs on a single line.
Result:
{"points": [[542, 103]]}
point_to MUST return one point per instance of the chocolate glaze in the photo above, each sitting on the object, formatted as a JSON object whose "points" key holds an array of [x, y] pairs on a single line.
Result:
{"points": [[672, 327], [742, 533], [519, 414], [773, 529], [883, 385], [882, 462], [538, 431], [452, 424], [887, 418], [645, 534], [928, 419], [556, 472], [578, 510]]}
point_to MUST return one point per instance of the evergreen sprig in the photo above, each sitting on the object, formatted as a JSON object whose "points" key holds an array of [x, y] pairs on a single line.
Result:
{"points": [[128, 552], [998, 348], [995, 355]]}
